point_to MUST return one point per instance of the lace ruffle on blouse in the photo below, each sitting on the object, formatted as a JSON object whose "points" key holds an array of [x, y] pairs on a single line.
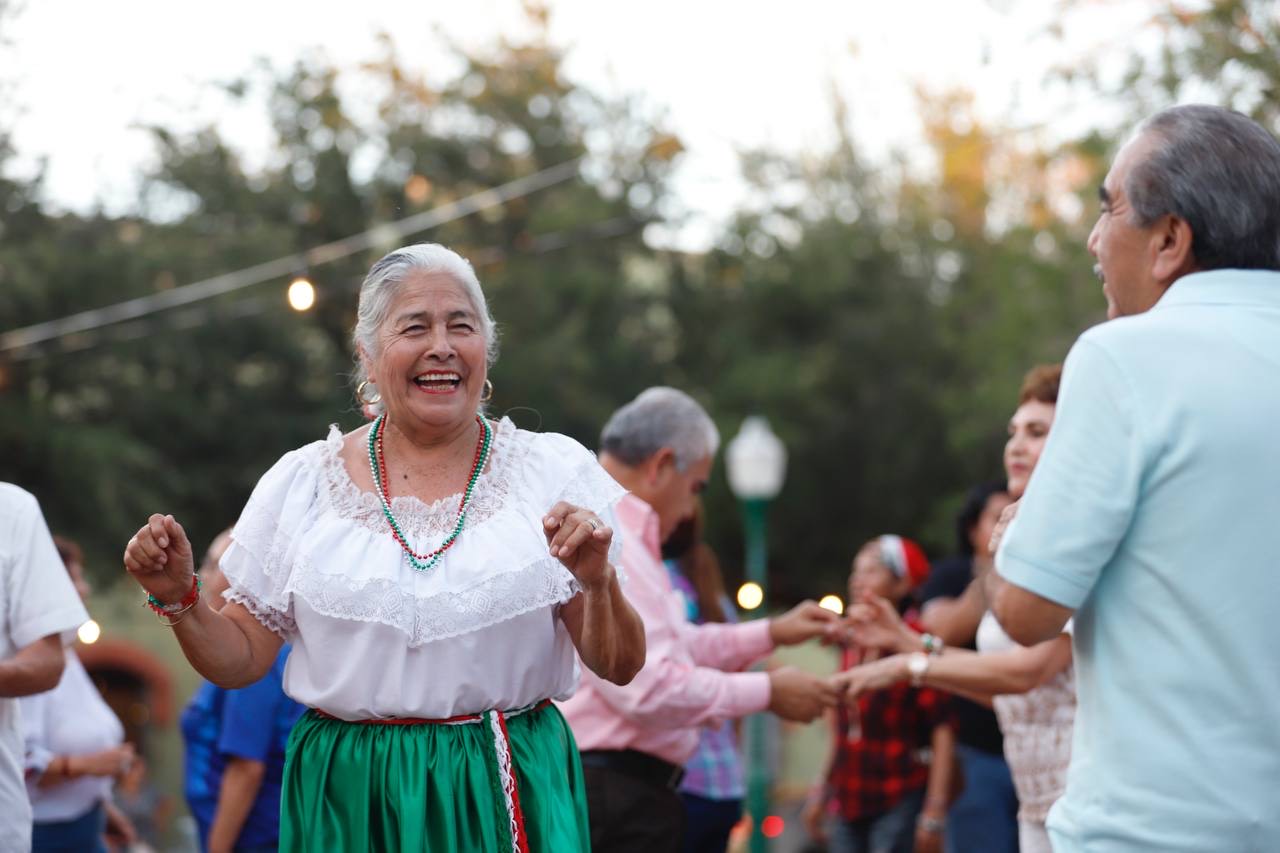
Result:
{"points": [[309, 531]]}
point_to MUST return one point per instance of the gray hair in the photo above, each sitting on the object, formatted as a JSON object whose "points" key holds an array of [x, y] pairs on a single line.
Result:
{"points": [[660, 417], [383, 282], [1220, 171]]}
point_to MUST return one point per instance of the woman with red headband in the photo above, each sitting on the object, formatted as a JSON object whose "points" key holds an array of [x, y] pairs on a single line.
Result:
{"points": [[887, 777]]}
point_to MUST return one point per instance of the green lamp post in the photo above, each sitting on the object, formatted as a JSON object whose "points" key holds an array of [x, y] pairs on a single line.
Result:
{"points": [[756, 462]]}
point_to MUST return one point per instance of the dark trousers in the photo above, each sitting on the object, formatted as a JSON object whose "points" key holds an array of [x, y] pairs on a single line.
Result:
{"points": [[708, 823], [891, 832], [629, 815], [78, 835], [984, 819]]}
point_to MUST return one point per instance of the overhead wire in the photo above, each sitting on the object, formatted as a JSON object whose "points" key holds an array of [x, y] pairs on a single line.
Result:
{"points": [[21, 342]]}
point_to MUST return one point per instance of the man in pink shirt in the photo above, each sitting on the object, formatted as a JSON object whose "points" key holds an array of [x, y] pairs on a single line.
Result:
{"points": [[635, 738]]}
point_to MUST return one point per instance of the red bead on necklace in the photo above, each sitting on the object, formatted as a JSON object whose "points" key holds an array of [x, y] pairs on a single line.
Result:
{"points": [[378, 467]]}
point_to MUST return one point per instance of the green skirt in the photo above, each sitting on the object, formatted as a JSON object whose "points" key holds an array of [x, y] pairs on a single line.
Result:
{"points": [[431, 787]]}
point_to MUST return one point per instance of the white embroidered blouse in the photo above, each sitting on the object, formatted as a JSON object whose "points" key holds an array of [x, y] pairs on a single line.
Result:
{"points": [[1037, 728], [312, 558]]}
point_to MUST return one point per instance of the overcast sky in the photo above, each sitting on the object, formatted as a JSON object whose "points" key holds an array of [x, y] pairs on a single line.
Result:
{"points": [[728, 73]]}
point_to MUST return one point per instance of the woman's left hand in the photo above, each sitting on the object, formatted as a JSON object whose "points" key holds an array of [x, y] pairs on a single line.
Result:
{"points": [[580, 540]]}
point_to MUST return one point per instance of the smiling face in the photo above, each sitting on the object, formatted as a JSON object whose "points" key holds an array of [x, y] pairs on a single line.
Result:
{"points": [[1129, 255], [871, 576], [1028, 430], [430, 364]]}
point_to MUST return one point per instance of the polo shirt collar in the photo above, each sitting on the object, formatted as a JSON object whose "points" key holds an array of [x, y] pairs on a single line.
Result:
{"points": [[637, 516], [1224, 287]]}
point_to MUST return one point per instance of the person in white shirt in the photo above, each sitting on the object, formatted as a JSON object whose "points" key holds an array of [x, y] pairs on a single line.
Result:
{"points": [[75, 751], [37, 604], [435, 573]]}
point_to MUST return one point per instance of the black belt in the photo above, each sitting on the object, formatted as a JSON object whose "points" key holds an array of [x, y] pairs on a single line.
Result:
{"points": [[638, 765]]}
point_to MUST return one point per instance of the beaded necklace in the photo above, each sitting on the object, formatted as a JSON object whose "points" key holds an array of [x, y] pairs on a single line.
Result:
{"points": [[378, 467]]}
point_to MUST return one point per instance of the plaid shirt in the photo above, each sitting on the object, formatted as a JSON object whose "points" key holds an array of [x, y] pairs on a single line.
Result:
{"points": [[883, 753], [715, 771]]}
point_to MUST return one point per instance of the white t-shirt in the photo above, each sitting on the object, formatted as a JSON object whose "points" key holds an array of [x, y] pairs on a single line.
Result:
{"points": [[36, 600], [313, 559], [71, 719]]}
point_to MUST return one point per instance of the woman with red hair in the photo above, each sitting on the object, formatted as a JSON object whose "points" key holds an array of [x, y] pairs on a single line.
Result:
{"points": [[1032, 688]]}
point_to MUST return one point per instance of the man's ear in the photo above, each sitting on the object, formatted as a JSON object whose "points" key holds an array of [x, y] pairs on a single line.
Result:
{"points": [[658, 466], [1174, 257]]}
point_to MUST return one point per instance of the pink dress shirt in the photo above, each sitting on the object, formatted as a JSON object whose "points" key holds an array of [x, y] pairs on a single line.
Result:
{"points": [[683, 685]]}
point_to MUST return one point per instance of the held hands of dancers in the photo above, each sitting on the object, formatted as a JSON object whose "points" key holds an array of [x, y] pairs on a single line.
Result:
{"points": [[805, 621], [160, 558], [874, 623], [799, 696], [580, 541], [867, 677]]}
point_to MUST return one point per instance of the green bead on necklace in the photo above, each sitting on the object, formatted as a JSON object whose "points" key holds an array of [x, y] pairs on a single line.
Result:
{"points": [[378, 467]]}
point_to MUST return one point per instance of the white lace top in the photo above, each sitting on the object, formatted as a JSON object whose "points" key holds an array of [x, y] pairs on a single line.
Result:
{"points": [[312, 559], [1037, 728]]}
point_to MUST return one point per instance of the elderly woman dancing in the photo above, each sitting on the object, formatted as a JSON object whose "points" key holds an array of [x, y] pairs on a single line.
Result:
{"points": [[434, 572]]}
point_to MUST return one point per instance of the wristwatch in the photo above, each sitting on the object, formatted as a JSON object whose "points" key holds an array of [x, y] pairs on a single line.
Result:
{"points": [[917, 666]]}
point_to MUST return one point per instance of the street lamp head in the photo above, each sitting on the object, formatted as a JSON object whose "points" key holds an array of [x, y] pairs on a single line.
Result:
{"points": [[756, 461]]}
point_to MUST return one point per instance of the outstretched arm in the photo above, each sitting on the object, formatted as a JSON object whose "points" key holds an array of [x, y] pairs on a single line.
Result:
{"points": [[978, 676]]}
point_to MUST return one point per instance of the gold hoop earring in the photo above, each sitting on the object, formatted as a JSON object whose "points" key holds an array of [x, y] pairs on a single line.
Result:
{"points": [[488, 392], [368, 401]]}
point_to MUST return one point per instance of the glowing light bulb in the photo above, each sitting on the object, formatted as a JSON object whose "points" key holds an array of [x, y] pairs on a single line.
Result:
{"points": [[832, 603], [89, 632], [750, 595], [302, 294]]}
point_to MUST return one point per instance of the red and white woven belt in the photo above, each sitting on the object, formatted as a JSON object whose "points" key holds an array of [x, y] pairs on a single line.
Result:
{"points": [[497, 722]]}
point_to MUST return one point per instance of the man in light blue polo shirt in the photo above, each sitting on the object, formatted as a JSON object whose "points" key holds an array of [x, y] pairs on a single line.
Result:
{"points": [[1154, 513]]}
